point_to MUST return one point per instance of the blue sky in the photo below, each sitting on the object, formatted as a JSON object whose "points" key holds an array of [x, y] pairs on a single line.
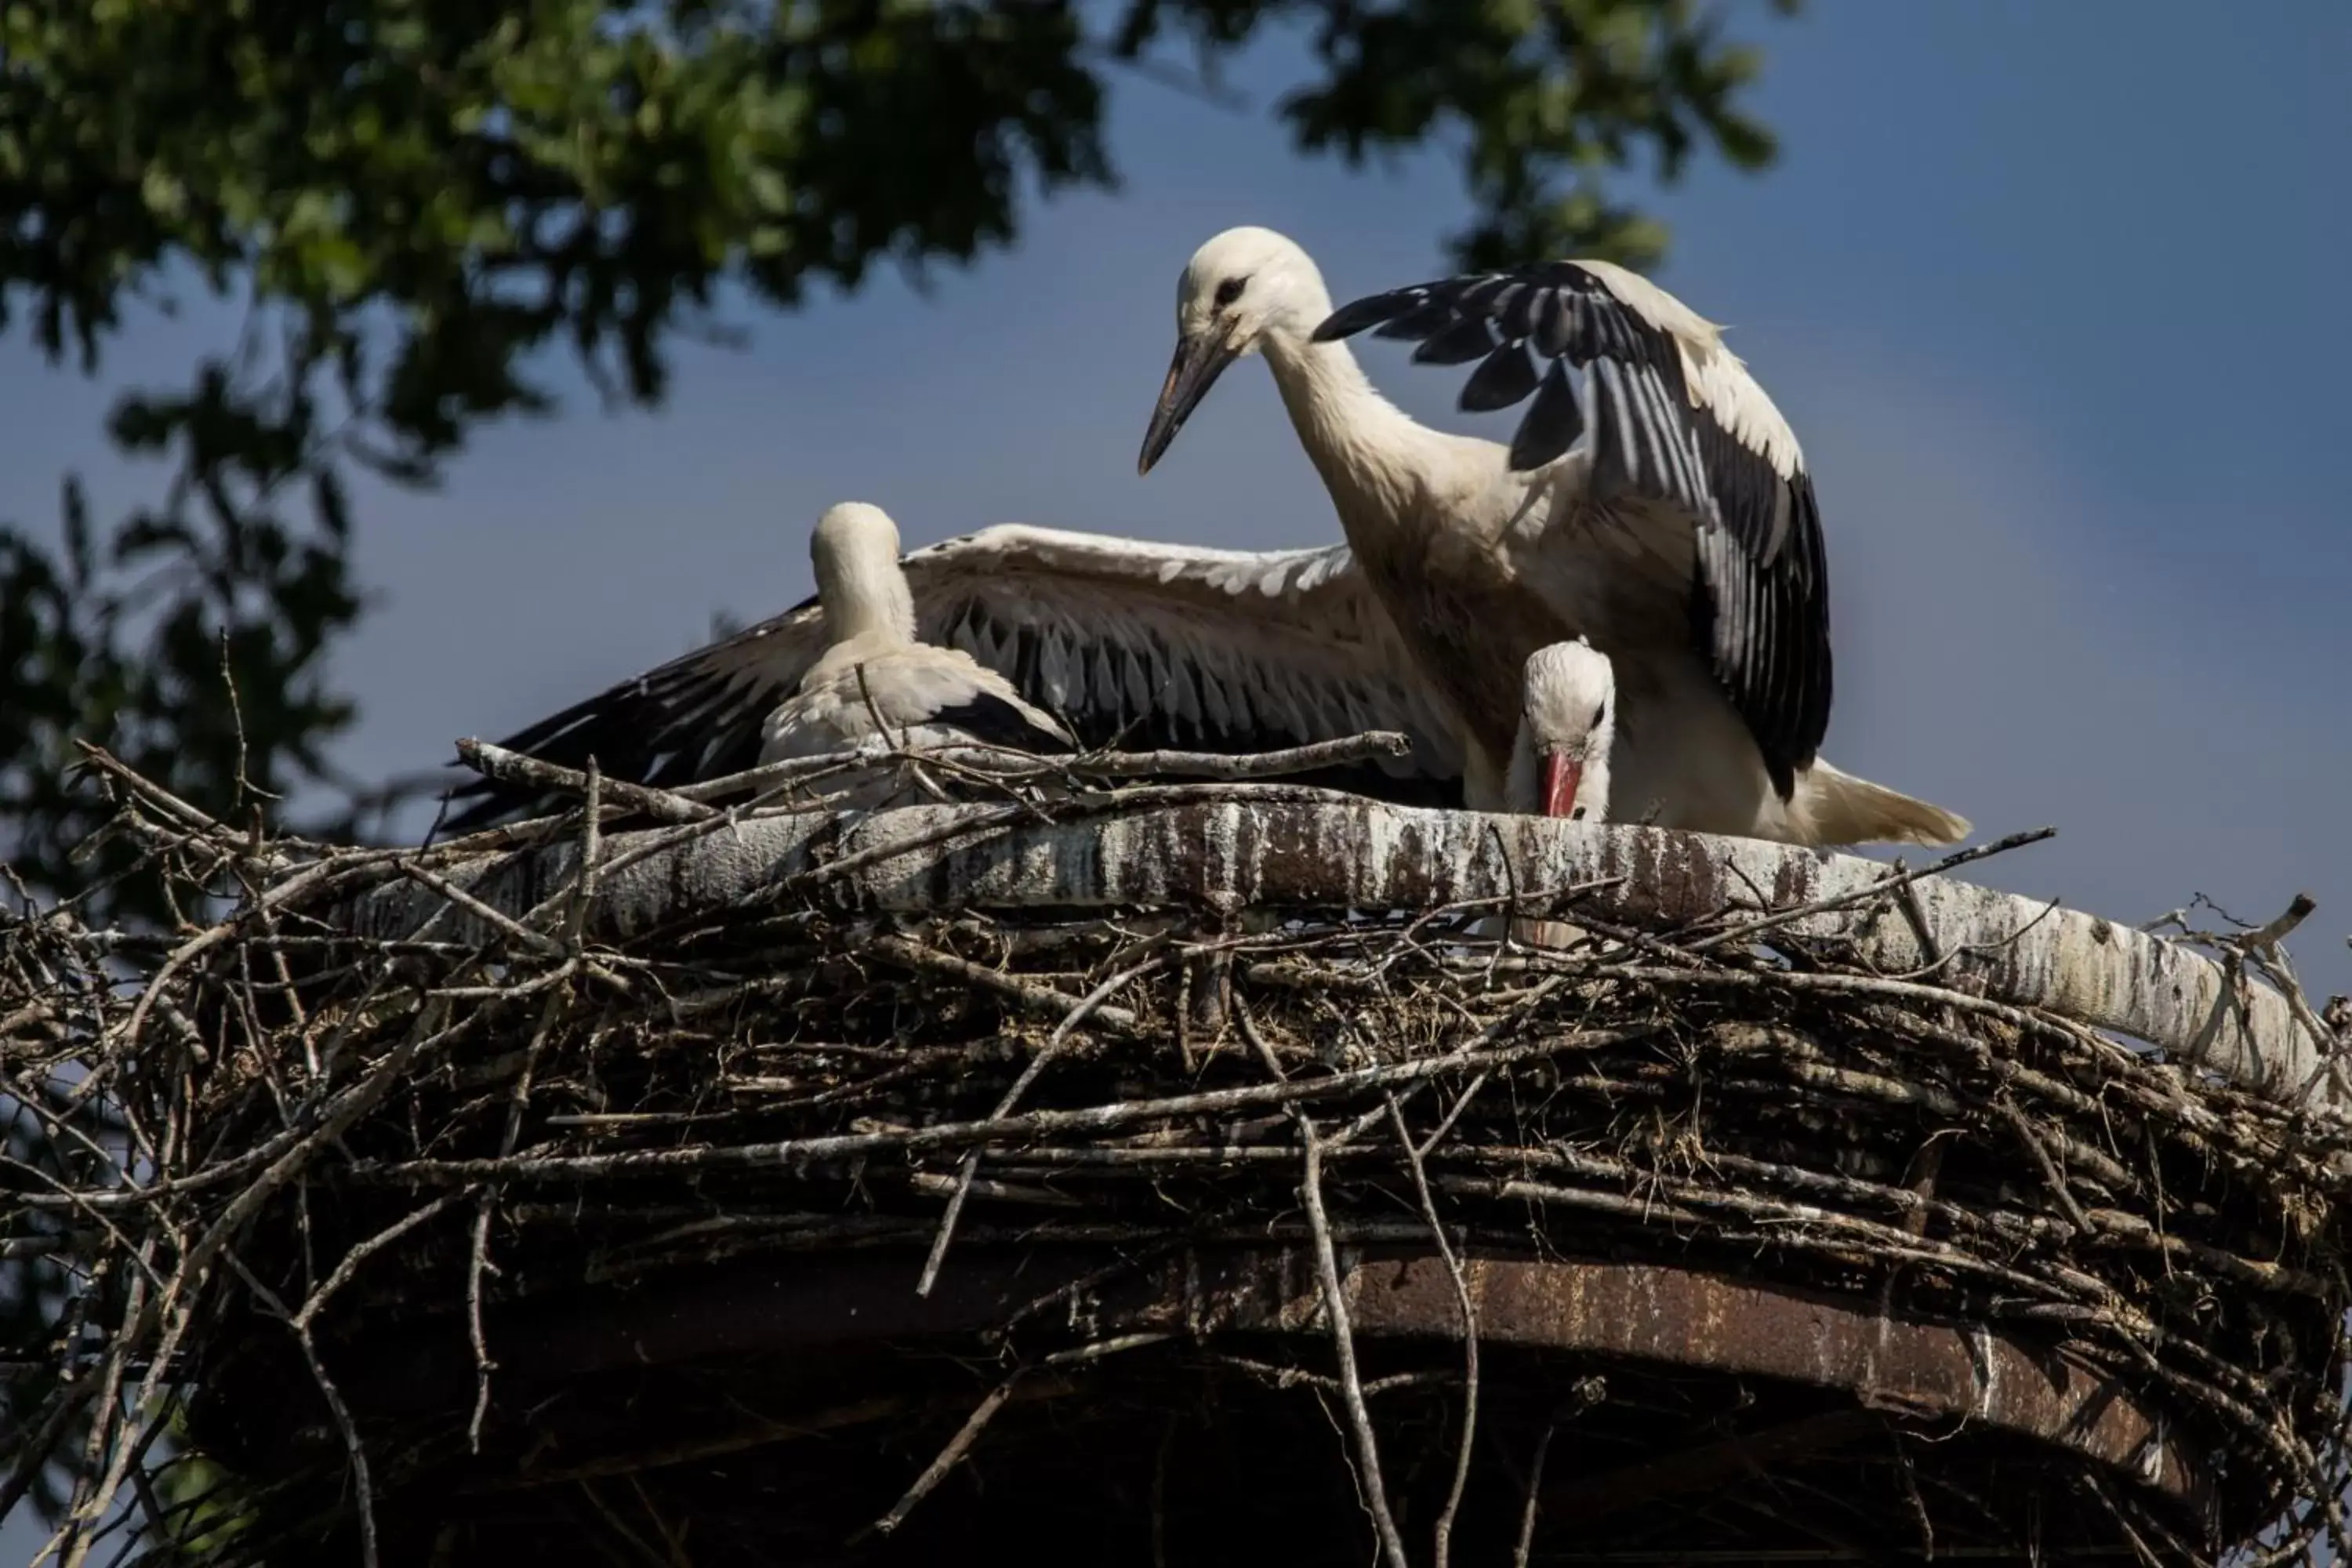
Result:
{"points": [[2054, 296]]}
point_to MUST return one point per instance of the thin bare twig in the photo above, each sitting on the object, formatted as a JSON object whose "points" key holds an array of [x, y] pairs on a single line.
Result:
{"points": [[945, 1460], [1343, 1343], [478, 1262], [958, 1134], [1443, 1548], [969, 1432], [1034, 997], [1534, 1497], [355, 1450], [1029, 1075], [514, 768]]}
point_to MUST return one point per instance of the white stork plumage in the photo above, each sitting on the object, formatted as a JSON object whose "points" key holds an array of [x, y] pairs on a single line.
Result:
{"points": [[1653, 500], [1133, 643], [1559, 762], [876, 679], [1568, 725]]}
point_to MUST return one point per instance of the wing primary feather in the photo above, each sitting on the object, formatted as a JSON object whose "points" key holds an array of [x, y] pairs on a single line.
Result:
{"points": [[990, 720], [1644, 410], [1554, 320], [1616, 464], [1460, 342], [1501, 379], [1353, 318], [1552, 424], [1417, 322], [1484, 294], [1516, 313], [1140, 682]]}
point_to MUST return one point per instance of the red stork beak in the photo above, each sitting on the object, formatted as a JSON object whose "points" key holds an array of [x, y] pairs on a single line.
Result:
{"points": [[1560, 776]]}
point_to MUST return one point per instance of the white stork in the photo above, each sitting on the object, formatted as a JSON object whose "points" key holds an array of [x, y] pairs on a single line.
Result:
{"points": [[877, 678], [1133, 643], [1568, 725], [1559, 762], [1653, 500]]}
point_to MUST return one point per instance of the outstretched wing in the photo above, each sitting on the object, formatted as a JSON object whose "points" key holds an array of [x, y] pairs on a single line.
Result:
{"points": [[1617, 372], [1148, 646]]}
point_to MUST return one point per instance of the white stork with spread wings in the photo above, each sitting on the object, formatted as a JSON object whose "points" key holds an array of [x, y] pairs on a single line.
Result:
{"points": [[1653, 500], [1148, 646]]}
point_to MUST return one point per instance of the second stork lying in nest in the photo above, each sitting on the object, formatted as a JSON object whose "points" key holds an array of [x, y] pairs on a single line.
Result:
{"points": [[1653, 500], [1132, 642], [877, 680]]}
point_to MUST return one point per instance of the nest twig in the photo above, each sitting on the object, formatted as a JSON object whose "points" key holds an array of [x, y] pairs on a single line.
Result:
{"points": [[265, 1120]]}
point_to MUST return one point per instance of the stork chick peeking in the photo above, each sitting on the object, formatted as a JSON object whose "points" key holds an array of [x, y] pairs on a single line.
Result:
{"points": [[876, 679], [1560, 764], [1568, 725], [1653, 501]]}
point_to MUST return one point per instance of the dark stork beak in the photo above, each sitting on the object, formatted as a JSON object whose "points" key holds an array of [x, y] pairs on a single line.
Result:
{"points": [[1560, 776], [1199, 361]]}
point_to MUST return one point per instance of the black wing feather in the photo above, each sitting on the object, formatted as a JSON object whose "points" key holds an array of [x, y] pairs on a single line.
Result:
{"points": [[1349, 320], [1418, 323], [1553, 420], [1760, 597], [1143, 709], [1467, 339], [695, 718], [992, 720], [1506, 376]]}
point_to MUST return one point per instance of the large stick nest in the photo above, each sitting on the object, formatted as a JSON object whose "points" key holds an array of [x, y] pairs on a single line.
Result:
{"points": [[353, 1240]]}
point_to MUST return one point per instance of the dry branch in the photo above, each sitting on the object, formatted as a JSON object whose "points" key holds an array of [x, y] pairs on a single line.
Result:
{"points": [[1234, 846], [751, 1032]]}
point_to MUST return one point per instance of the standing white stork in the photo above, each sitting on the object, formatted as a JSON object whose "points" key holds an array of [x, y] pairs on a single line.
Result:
{"points": [[1653, 500], [1133, 643], [877, 678]]}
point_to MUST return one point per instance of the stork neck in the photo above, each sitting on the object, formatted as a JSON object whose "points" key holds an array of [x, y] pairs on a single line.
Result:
{"points": [[1522, 793], [1366, 447], [865, 599]]}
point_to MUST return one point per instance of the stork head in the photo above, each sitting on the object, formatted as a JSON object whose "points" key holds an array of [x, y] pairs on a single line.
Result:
{"points": [[856, 552], [1568, 722], [1242, 288]]}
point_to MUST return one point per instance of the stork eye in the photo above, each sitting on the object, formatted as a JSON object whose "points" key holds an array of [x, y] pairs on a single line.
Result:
{"points": [[1599, 713], [1230, 291]]}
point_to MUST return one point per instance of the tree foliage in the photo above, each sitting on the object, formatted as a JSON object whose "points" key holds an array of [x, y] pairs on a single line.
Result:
{"points": [[416, 198], [422, 205]]}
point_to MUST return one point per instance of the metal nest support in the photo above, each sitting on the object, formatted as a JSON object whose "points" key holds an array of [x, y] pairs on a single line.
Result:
{"points": [[1164, 1174]]}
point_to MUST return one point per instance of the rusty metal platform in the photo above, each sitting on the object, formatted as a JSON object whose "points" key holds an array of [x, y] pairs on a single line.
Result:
{"points": [[1697, 1416]]}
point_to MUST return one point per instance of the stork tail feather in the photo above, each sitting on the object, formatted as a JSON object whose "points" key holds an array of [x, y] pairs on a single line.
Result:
{"points": [[1843, 809]]}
